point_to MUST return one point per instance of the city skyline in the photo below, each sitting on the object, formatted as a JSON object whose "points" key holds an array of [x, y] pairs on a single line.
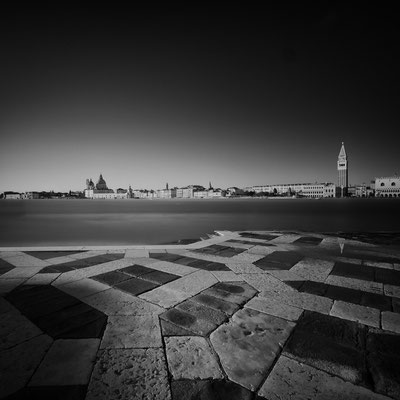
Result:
{"points": [[238, 97]]}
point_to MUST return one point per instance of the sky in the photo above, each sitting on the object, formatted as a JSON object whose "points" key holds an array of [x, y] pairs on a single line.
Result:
{"points": [[238, 96]]}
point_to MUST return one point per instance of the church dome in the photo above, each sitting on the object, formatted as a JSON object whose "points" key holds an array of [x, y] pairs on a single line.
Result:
{"points": [[101, 184]]}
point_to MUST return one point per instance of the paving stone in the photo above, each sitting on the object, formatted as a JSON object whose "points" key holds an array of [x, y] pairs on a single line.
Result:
{"points": [[391, 321], [75, 392], [310, 240], [165, 297], [247, 257], [266, 282], [284, 275], [226, 276], [130, 374], [115, 302], [385, 374], [188, 321], [396, 304], [159, 277], [45, 255], [18, 363], [111, 278], [68, 362], [15, 329], [202, 312], [216, 303], [293, 380], [42, 279], [83, 288], [25, 260], [384, 276], [353, 312], [239, 288], [362, 272], [378, 264], [172, 268], [313, 269], [391, 290], [136, 253], [248, 345], [383, 342], [190, 357], [21, 273], [358, 284], [170, 329], [7, 285], [383, 303], [344, 294], [275, 308], [125, 332], [136, 270], [243, 268], [211, 389], [135, 286], [224, 295], [317, 288]]}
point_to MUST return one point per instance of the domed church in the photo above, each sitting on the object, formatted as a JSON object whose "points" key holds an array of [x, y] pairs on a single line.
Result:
{"points": [[100, 190]]}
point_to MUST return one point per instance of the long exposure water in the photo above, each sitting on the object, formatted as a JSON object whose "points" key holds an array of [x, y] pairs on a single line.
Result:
{"points": [[133, 222]]}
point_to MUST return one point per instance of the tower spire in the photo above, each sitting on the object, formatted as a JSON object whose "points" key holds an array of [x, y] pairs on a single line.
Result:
{"points": [[343, 174]]}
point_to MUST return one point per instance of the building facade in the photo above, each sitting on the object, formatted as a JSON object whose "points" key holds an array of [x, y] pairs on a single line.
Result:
{"points": [[101, 191], [309, 190], [387, 186], [343, 173]]}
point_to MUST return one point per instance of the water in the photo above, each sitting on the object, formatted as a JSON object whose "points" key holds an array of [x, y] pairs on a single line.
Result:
{"points": [[135, 222]]}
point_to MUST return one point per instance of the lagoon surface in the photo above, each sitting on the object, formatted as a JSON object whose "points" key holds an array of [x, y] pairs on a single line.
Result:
{"points": [[135, 222]]}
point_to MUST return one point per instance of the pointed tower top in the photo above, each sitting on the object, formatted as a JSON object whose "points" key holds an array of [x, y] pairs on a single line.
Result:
{"points": [[342, 153]]}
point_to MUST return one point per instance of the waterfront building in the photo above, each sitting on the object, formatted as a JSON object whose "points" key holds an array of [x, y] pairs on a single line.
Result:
{"points": [[12, 196], [343, 173], [101, 190], [310, 190], [387, 186], [184, 193]]}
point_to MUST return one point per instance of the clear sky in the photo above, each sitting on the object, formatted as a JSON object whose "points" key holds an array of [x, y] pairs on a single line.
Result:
{"points": [[235, 96]]}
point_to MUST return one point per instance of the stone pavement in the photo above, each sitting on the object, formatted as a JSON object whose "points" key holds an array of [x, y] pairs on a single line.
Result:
{"points": [[242, 315]]}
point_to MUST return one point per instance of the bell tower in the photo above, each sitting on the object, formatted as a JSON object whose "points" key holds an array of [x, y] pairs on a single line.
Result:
{"points": [[343, 173]]}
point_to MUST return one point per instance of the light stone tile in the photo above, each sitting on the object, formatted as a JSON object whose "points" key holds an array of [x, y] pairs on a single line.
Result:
{"points": [[239, 245], [60, 260], [391, 290], [193, 283], [285, 275], [68, 362], [275, 308], [172, 268], [358, 284], [15, 329], [6, 285], [245, 257], [83, 288], [129, 374], [7, 254], [266, 282], [21, 273], [244, 268], [87, 254], [262, 250], [70, 276], [311, 269], [286, 238], [177, 251], [128, 332], [115, 302], [42, 279], [207, 257], [15, 375], [226, 276], [291, 380], [378, 264], [136, 253], [354, 312], [26, 260], [313, 302], [165, 297], [396, 266], [144, 261], [348, 260], [190, 357], [391, 321]]}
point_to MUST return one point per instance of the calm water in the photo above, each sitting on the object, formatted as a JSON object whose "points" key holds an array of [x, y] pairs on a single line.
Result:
{"points": [[129, 222]]}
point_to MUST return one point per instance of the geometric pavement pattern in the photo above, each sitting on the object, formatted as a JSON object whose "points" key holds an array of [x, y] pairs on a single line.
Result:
{"points": [[253, 316]]}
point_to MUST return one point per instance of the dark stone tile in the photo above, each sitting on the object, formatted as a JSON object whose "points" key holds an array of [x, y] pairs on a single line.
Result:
{"points": [[79, 321], [344, 294], [165, 256], [387, 276], [355, 271], [214, 266], [159, 277], [49, 270], [224, 295], [201, 264], [266, 265], [136, 286], [113, 256], [186, 261], [50, 393], [203, 312], [332, 357], [295, 284], [45, 255], [62, 268], [101, 259], [385, 373], [209, 390], [312, 240], [170, 329], [317, 288], [136, 270], [216, 303], [285, 257], [396, 304], [111, 278], [378, 301], [383, 342], [258, 236], [76, 264], [345, 333]]}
